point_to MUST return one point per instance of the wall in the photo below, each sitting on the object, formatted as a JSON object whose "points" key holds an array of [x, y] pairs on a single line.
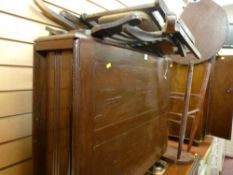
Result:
{"points": [[229, 12], [21, 22]]}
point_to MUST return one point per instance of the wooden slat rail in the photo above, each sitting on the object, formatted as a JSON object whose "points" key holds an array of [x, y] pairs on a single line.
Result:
{"points": [[176, 114], [182, 94], [193, 111], [190, 113], [176, 97], [175, 121]]}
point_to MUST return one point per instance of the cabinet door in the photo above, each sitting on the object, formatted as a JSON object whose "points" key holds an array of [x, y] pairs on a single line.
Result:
{"points": [[220, 109]]}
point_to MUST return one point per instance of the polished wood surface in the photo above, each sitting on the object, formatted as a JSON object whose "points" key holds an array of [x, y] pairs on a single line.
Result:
{"points": [[51, 112], [209, 27], [98, 109], [220, 104]]}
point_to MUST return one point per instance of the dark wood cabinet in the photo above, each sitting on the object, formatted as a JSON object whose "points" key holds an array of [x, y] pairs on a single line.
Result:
{"points": [[98, 109], [220, 102]]}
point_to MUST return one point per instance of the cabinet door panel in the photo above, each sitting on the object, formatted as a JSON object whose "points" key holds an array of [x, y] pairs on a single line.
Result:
{"points": [[221, 99]]}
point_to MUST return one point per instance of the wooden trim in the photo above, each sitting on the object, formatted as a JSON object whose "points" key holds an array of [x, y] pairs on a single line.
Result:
{"points": [[6, 170], [16, 151], [98, 5], [32, 20], [121, 3], [26, 30], [75, 160], [8, 116], [16, 66], [15, 40], [15, 90], [209, 97], [15, 140], [76, 7], [54, 45], [55, 5], [26, 9]]}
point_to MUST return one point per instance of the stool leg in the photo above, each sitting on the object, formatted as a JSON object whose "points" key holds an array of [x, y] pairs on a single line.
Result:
{"points": [[185, 110], [200, 106]]}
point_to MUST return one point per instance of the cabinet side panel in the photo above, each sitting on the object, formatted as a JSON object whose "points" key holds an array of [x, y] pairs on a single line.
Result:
{"points": [[52, 112]]}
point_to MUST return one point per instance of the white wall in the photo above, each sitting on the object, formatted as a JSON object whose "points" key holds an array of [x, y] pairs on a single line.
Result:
{"points": [[229, 11]]}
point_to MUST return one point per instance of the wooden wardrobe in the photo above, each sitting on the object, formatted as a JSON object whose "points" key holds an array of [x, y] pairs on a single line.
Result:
{"points": [[98, 109]]}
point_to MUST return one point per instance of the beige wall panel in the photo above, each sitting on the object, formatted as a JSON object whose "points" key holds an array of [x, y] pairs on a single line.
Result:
{"points": [[25, 8], [80, 6], [13, 103], [15, 53], [131, 3], [20, 29], [58, 9], [15, 127], [24, 168], [16, 151], [112, 5], [15, 78]]}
